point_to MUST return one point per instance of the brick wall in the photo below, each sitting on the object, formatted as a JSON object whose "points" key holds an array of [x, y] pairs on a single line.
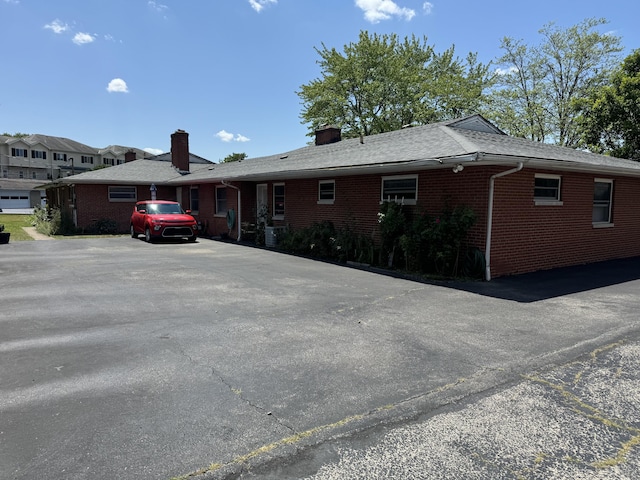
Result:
{"points": [[92, 204], [526, 237]]}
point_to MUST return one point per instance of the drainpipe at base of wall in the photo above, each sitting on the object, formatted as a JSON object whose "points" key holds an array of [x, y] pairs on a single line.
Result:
{"points": [[487, 251], [239, 216]]}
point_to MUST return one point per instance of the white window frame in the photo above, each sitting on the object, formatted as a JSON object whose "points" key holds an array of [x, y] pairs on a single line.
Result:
{"points": [[123, 193], [609, 204], [279, 216], [219, 211], [548, 200], [402, 200], [326, 201]]}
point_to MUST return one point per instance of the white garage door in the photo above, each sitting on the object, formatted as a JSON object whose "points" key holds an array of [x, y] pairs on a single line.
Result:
{"points": [[14, 199]]}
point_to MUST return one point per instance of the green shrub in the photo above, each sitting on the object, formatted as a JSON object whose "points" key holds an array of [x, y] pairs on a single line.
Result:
{"points": [[103, 226], [435, 244], [393, 224], [47, 221]]}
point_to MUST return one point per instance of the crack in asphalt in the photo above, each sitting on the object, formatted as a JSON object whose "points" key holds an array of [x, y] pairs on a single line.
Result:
{"points": [[236, 391]]}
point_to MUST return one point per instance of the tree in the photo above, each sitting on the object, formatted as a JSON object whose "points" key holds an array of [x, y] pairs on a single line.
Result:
{"points": [[382, 83], [539, 85], [234, 157], [610, 118], [16, 135]]}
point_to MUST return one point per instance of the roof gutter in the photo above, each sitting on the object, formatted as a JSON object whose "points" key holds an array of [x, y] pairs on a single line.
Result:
{"points": [[492, 181], [239, 216]]}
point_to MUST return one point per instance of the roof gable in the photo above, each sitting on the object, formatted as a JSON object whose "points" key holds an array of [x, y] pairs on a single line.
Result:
{"points": [[476, 123]]}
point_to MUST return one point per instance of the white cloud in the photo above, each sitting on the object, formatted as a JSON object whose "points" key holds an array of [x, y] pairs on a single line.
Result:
{"points": [[153, 151], [427, 7], [117, 85], [224, 136], [230, 137], [377, 10], [13, 2], [57, 26], [81, 38], [258, 5], [506, 71], [158, 7]]}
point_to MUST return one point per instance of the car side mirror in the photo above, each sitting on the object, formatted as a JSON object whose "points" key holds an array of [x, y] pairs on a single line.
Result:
{"points": [[143, 211], [188, 212]]}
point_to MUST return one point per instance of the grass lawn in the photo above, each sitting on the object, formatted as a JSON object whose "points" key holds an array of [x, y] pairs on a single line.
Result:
{"points": [[13, 224]]}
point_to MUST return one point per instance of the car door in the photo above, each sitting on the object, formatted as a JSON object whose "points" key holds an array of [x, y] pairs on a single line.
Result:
{"points": [[138, 218]]}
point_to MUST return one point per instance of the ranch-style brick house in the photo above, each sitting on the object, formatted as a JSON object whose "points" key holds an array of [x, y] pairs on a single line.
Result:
{"points": [[538, 206]]}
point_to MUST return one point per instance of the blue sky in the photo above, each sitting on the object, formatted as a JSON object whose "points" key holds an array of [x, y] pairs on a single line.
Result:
{"points": [[131, 72]]}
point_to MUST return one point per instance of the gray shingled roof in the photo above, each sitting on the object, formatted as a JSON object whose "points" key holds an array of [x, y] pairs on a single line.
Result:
{"points": [[132, 173], [471, 139], [468, 140], [166, 157], [57, 143], [121, 150], [20, 184]]}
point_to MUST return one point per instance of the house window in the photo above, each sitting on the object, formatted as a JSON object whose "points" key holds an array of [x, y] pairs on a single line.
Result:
{"points": [[602, 195], [33, 175], [21, 174], [546, 189], [19, 152], [221, 201], [39, 154], [61, 157], [278, 201], [123, 194], [108, 161], [326, 191], [400, 189], [86, 159], [194, 199]]}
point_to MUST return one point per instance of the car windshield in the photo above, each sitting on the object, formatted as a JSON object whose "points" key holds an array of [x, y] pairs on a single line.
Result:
{"points": [[154, 208]]}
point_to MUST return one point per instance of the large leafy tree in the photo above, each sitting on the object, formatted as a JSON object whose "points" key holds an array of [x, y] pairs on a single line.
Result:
{"points": [[382, 83], [539, 85], [234, 157], [611, 116]]}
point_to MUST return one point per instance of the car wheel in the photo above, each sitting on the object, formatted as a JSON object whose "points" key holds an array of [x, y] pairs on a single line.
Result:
{"points": [[133, 232], [192, 239], [147, 235]]}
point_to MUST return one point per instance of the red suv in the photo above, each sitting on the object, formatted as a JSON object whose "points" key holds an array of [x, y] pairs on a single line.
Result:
{"points": [[162, 219]]}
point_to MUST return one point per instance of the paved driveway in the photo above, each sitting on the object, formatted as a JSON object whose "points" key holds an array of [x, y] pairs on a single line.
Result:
{"points": [[121, 359]]}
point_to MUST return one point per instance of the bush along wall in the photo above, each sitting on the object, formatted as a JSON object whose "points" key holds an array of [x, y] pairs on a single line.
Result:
{"points": [[425, 244], [437, 244], [323, 240]]}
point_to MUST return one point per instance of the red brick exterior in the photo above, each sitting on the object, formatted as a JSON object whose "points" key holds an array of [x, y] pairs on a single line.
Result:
{"points": [[92, 204], [526, 237]]}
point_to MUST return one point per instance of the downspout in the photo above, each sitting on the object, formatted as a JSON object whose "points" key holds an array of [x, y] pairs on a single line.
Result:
{"points": [[239, 216], [487, 251]]}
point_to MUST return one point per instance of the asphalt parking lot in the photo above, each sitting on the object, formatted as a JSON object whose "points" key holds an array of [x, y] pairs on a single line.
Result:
{"points": [[121, 359]]}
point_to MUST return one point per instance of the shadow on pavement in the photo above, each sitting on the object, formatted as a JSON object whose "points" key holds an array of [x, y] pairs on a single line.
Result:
{"points": [[536, 286]]}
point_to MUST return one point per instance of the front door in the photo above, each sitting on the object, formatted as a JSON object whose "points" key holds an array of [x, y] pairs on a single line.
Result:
{"points": [[262, 203]]}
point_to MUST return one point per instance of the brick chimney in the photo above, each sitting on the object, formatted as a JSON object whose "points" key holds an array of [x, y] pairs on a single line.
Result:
{"points": [[129, 156], [180, 150], [327, 134]]}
